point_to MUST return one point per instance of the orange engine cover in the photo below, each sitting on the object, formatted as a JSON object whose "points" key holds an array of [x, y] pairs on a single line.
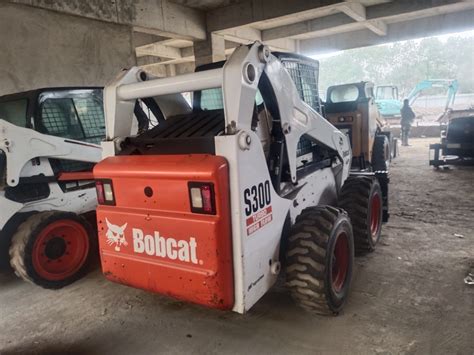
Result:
{"points": [[151, 239]]}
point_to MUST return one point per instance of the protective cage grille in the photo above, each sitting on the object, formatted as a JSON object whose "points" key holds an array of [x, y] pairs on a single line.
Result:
{"points": [[305, 77]]}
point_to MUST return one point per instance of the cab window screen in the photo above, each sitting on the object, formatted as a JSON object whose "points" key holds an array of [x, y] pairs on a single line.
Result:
{"points": [[344, 94], [14, 112], [78, 117], [59, 118], [91, 116]]}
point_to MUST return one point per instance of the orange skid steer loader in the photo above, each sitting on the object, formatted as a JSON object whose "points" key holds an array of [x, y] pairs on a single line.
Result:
{"points": [[211, 204]]}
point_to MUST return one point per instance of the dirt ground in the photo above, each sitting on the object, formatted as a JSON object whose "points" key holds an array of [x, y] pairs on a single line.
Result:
{"points": [[407, 297]]}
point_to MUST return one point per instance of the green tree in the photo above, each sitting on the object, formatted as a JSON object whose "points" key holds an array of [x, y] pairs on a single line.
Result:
{"points": [[404, 64]]}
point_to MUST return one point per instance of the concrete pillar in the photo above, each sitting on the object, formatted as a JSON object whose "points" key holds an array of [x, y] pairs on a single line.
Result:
{"points": [[209, 51], [41, 48]]}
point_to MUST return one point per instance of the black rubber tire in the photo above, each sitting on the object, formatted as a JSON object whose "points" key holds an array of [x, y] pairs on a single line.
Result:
{"points": [[6, 235], [355, 198], [310, 259], [23, 241], [381, 153]]}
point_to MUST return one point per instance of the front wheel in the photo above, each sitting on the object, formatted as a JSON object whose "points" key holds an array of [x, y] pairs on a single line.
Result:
{"points": [[320, 257], [361, 197], [52, 249]]}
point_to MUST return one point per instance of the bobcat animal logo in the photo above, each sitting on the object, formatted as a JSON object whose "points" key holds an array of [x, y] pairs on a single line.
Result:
{"points": [[116, 235]]}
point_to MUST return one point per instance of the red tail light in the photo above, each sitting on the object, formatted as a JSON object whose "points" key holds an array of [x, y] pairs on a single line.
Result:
{"points": [[201, 197], [105, 192]]}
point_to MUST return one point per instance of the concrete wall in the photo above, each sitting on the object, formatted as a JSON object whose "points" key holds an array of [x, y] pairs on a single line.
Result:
{"points": [[43, 48]]}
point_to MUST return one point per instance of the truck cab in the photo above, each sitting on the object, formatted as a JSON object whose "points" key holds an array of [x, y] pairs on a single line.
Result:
{"points": [[387, 100]]}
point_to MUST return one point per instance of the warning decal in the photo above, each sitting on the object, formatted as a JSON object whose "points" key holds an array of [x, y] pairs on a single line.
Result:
{"points": [[258, 220]]}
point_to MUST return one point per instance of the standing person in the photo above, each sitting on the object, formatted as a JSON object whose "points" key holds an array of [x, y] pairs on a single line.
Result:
{"points": [[407, 119]]}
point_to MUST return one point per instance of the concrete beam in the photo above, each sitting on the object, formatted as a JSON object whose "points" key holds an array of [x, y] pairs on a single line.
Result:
{"points": [[159, 50], [400, 31], [159, 17], [376, 17], [353, 10], [209, 51], [185, 60], [255, 11], [377, 26], [246, 35], [357, 11], [307, 27], [170, 70]]}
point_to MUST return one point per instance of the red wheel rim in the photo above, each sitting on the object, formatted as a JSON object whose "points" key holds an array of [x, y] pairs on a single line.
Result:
{"points": [[340, 262], [375, 213], [60, 250]]}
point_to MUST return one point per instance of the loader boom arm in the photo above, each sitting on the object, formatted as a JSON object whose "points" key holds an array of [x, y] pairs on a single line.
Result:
{"points": [[239, 80], [20, 145]]}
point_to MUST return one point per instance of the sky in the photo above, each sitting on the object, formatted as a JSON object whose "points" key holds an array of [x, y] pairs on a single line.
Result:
{"points": [[443, 38]]}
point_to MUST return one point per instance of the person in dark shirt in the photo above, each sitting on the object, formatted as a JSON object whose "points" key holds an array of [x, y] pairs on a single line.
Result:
{"points": [[407, 119]]}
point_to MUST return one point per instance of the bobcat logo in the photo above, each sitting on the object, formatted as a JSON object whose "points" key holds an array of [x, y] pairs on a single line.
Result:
{"points": [[116, 235]]}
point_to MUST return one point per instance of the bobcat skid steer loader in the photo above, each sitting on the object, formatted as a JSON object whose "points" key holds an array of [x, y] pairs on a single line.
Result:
{"points": [[49, 142], [352, 109], [210, 204]]}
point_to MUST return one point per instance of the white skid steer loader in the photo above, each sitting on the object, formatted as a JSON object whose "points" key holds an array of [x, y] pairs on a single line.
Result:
{"points": [[210, 204], [48, 146], [49, 143]]}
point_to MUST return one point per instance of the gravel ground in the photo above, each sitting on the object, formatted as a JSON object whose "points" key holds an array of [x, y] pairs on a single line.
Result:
{"points": [[407, 297]]}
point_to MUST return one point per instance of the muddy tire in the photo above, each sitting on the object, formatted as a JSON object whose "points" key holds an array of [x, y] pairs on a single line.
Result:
{"points": [[52, 249], [361, 197], [381, 153], [320, 257]]}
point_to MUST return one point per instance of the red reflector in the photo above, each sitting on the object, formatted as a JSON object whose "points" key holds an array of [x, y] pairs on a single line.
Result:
{"points": [[99, 188], [201, 197], [105, 192], [206, 198]]}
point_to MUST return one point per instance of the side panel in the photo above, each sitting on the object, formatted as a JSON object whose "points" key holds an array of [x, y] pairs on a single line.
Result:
{"points": [[352, 125], [258, 215], [318, 188], [75, 200], [150, 239]]}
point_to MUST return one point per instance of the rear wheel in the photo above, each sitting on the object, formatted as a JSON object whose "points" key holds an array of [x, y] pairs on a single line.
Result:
{"points": [[320, 257], [52, 249], [381, 153], [361, 197]]}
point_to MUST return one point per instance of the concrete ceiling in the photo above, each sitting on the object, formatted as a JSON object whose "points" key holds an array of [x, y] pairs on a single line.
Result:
{"points": [[318, 26], [171, 34], [205, 4]]}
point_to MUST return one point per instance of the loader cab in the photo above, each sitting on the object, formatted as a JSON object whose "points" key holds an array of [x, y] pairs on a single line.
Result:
{"points": [[387, 100], [74, 113], [304, 72], [352, 109]]}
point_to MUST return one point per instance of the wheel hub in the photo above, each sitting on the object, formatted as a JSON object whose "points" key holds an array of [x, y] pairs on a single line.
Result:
{"points": [[340, 262], [375, 207], [55, 248], [60, 250]]}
